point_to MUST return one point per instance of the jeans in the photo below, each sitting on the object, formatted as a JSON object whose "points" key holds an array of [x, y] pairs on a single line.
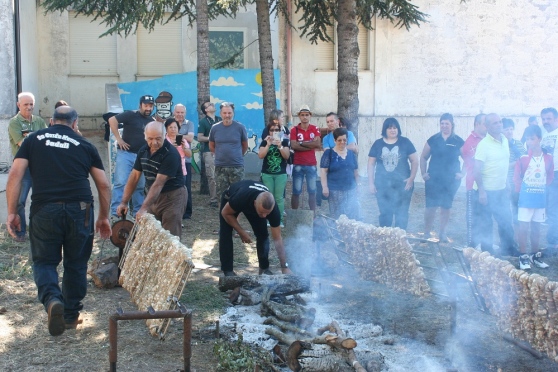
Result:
{"points": [[552, 213], [301, 171], [393, 201], [123, 167], [226, 252], [57, 228], [498, 207], [188, 184], [276, 183], [26, 184]]}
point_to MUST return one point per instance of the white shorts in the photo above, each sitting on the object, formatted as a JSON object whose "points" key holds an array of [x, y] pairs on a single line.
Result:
{"points": [[531, 214]]}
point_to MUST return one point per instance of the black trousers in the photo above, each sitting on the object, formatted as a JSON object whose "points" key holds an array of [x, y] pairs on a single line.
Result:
{"points": [[226, 250], [188, 184]]}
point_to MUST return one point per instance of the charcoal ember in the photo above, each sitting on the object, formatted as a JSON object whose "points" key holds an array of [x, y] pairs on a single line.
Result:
{"points": [[383, 255]]}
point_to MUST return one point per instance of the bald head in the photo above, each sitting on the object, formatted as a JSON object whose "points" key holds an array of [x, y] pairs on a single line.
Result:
{"points": [[264, 204], [154, 135], [65, 115]]}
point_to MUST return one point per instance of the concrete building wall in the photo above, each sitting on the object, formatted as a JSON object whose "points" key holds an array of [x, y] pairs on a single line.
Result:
{"points": [[87, 93], [478, 56], [7, 76]]}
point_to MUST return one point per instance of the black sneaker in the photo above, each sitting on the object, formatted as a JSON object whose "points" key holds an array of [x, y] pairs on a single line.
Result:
{"points": [[536, 259], [229, 273]]}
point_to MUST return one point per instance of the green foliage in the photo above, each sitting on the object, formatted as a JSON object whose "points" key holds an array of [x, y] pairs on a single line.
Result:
{"points": [[317, 15], [204, 299], [234, 356], [124, 16]]}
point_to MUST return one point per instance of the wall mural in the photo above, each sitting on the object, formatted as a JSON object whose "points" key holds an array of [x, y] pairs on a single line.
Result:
{"points": [[242, 87]]}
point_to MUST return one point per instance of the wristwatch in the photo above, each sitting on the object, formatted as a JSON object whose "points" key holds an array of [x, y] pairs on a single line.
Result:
{"points": [[285, 266]]}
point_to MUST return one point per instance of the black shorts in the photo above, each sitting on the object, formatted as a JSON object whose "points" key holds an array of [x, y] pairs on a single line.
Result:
{"points": [[440, 192]]}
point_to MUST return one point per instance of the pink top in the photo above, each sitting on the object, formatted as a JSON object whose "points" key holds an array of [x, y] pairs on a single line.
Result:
{"points": [[468, 154], [181, 152]]}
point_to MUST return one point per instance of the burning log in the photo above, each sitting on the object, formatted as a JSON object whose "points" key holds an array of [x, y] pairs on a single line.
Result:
{"points": [[286, 327], [285, 285], [286, 312]]}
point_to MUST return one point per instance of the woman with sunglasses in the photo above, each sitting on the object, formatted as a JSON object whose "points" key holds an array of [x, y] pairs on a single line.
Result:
{"points": [[274, 150]]}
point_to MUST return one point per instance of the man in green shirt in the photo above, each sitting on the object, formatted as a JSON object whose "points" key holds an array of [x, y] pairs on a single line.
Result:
{"points": [[19, 127]]}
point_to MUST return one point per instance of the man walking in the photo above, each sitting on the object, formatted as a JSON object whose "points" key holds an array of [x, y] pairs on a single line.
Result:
{"points": [[468, 154], [187, 130], [62, 214], [258, 205], [208, 108], [549, 144], [19, 127], [491, 171], [128, 146], [228, 141], [160, 163], [305, 140]]}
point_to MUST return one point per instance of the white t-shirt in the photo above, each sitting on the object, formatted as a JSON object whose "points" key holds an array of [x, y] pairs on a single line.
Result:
{"points": [[549, 145]]}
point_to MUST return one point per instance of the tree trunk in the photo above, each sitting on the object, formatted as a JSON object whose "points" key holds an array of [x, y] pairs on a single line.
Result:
{"points": [[202, 24], [347, 63], [266, 58]]}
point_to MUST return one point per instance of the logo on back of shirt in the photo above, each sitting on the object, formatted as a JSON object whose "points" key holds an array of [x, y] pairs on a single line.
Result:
{"points": [[259, 187]]}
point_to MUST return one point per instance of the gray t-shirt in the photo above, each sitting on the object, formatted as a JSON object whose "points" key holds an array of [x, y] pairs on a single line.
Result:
{"points": [[185, 128], [228, 144]]}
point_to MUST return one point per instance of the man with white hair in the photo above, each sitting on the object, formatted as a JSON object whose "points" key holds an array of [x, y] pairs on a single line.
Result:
{"points": [[19, 127], [166, 196], [187, 130]]}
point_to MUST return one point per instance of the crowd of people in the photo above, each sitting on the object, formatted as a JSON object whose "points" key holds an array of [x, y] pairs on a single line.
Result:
{"points": [[509, 181]]}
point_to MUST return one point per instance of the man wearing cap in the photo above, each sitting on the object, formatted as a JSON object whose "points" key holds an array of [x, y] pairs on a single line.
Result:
{"points": [[305, 140], [19, 127], [128, 145], [208, 108], [229, 142], [163, 104], [187, 130]]}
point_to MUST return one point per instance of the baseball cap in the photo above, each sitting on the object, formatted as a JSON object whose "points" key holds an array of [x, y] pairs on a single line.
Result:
{"points": [[147, 99]]}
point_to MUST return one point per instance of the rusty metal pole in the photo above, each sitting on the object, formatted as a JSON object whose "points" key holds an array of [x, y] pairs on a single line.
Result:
{"points": [[113, 342], [181, 312], [187, 343]]}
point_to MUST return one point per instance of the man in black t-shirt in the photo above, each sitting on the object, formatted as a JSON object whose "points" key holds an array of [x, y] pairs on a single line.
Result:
{"points": [[128, 146], [166, 195], [257, 203], [61, 219]]}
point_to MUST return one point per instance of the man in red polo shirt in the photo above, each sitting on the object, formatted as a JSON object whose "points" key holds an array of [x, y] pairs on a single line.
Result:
{"points": [[305, 140]]}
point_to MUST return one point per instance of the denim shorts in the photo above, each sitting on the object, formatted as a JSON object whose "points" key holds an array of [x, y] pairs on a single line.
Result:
{"points": [[299, 172]]}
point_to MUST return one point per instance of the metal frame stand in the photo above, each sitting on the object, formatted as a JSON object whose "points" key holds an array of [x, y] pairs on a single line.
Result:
{"points": [[181, 312]]}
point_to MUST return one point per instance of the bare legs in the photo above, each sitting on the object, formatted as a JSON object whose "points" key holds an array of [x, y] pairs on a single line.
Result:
{"points": [[429, 215]]}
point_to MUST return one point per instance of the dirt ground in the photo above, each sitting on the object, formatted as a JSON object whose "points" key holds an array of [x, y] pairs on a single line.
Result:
{"points": [[25, 344]]}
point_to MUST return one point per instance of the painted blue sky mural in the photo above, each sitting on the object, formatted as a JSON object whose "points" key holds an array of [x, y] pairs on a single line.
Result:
{"points": [[241, 87]]}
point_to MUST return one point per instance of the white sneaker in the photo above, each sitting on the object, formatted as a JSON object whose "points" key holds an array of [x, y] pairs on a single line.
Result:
{"points": [[536, 259], [524, 262]]}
